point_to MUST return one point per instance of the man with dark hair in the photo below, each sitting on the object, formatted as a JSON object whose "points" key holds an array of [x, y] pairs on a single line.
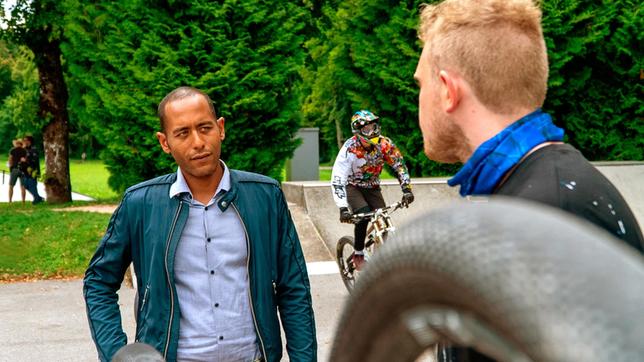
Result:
{"points": [[215, 252], [31, 169]]}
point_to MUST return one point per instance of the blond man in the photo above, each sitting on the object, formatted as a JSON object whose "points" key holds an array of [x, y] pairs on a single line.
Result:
{"points": [[483, 76]]}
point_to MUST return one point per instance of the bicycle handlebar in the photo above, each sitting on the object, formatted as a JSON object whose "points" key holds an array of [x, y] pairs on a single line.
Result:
{"points": [[355, 218]]}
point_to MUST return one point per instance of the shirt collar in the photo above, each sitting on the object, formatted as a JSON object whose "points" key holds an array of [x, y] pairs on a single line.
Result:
{"points": [[180, 186]]}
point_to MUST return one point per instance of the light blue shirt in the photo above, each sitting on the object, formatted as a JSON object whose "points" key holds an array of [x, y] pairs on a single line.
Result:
{"points": [[211, 277]]}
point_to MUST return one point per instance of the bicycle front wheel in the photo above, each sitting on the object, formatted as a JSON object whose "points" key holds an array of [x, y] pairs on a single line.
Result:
{"points": [[344, 252]]}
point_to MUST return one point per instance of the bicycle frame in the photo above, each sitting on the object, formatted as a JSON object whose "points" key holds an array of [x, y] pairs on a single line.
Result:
{"points": [[380, 225]]}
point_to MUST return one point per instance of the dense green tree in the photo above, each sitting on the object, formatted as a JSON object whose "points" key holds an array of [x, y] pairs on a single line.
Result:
{"points": [[37, 25], [365, 57], [366, 53], [124, 56], [596, 85], [18, 94]]}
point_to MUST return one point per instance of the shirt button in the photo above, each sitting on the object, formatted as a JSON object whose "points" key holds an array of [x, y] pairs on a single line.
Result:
{"points": [[224, 203], [208, 239], [206, 208], [212, 272], [216, 305], [221, 338]]}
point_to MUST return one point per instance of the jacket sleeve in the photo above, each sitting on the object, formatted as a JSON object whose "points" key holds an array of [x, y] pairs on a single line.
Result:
{"points": [[394, 158], [339, 176], [102, 280], [293, 292]]}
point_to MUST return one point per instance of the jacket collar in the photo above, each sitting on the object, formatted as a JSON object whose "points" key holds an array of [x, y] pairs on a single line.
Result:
{"points": [[225, 187]]}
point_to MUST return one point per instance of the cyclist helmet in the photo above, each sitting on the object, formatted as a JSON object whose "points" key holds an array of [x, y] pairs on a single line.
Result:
{"points": [[365, 123]]}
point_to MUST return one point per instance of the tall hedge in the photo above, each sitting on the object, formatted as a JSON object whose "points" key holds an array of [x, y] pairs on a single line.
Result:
{"points": [[367, 51], [124, 56], [596, 87]]}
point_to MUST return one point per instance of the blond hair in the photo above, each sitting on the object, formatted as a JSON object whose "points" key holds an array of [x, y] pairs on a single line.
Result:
{"points": [[497, 46]]}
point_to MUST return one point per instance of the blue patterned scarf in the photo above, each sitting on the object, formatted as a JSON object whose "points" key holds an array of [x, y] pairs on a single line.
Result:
{"points": [[496, 156]]}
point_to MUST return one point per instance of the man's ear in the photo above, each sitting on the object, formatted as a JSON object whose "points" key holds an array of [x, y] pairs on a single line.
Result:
{"points": [[163, 141], [451, 91], [222, 131]]}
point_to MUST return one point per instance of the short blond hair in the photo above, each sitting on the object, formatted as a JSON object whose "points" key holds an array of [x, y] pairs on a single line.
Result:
{"points": [[497, 46]]}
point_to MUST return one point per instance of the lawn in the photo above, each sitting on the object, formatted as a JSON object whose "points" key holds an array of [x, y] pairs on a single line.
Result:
{"points": [[37, 242], [87, 178], [90, 178], [40, 243]]}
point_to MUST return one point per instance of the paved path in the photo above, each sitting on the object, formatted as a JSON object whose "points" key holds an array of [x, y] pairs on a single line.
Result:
{"points": [[46, 321]]}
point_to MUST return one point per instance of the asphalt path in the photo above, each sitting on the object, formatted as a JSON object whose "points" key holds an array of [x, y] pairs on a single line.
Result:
{"points": [[46, 320]]}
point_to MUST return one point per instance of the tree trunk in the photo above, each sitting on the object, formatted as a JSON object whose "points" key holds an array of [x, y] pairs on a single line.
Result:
{"points": [[53, 108]]}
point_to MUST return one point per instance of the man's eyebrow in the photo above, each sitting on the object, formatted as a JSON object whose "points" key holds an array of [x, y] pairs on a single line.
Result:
{"points": [[206, 122], [178, 130]]}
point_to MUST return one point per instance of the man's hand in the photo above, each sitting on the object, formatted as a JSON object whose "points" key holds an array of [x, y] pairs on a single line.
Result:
{"points": [[407, 198], [345, 215]]}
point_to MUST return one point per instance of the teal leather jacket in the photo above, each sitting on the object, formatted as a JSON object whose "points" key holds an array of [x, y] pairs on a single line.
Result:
{"points": [[145, 230]]}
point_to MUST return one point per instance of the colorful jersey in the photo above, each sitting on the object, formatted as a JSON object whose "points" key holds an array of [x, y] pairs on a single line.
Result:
{"points": [[361, 167]]}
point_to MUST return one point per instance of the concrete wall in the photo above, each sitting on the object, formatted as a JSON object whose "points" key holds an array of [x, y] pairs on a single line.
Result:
{"points": [[316, 199]]}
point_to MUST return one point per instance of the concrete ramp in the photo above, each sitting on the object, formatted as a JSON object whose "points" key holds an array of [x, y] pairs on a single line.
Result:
{"points": [[628, 177], [316, 200]]}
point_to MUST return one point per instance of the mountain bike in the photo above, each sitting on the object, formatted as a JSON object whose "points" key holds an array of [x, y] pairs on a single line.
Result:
{"points": [[380, 225]]}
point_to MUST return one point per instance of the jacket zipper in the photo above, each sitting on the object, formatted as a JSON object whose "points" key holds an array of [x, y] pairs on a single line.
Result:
{"points": [[145, 297], [250, 292], [167, 273]]}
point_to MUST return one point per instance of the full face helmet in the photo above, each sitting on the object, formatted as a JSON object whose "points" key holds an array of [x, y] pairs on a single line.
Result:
{"points": [[366, 124]]}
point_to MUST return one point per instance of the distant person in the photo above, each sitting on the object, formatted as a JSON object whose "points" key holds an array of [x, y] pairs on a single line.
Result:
{"points": [[356, 175], [215, 252], [31, 169], [16, 154], [83, 157], [483, 78]]}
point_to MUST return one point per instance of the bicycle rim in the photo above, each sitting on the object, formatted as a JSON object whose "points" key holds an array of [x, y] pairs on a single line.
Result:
{"points": [[344, 251]]}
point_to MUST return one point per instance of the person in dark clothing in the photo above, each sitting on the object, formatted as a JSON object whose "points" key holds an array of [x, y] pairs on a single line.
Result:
{"points": [[31, 169], [560, 176], [483, 76], [16, 154]]}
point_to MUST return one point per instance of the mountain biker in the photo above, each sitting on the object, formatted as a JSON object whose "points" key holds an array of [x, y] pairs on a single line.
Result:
{"points": [[356, 175]]}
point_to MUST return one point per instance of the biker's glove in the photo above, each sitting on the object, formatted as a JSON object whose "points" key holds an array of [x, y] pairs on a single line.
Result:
{"points": [[408, 197], [345, 215]]}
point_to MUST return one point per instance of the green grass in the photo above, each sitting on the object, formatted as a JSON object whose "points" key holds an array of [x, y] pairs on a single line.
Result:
{"points": [[37, 242], [90, 178], [87, 178]]}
